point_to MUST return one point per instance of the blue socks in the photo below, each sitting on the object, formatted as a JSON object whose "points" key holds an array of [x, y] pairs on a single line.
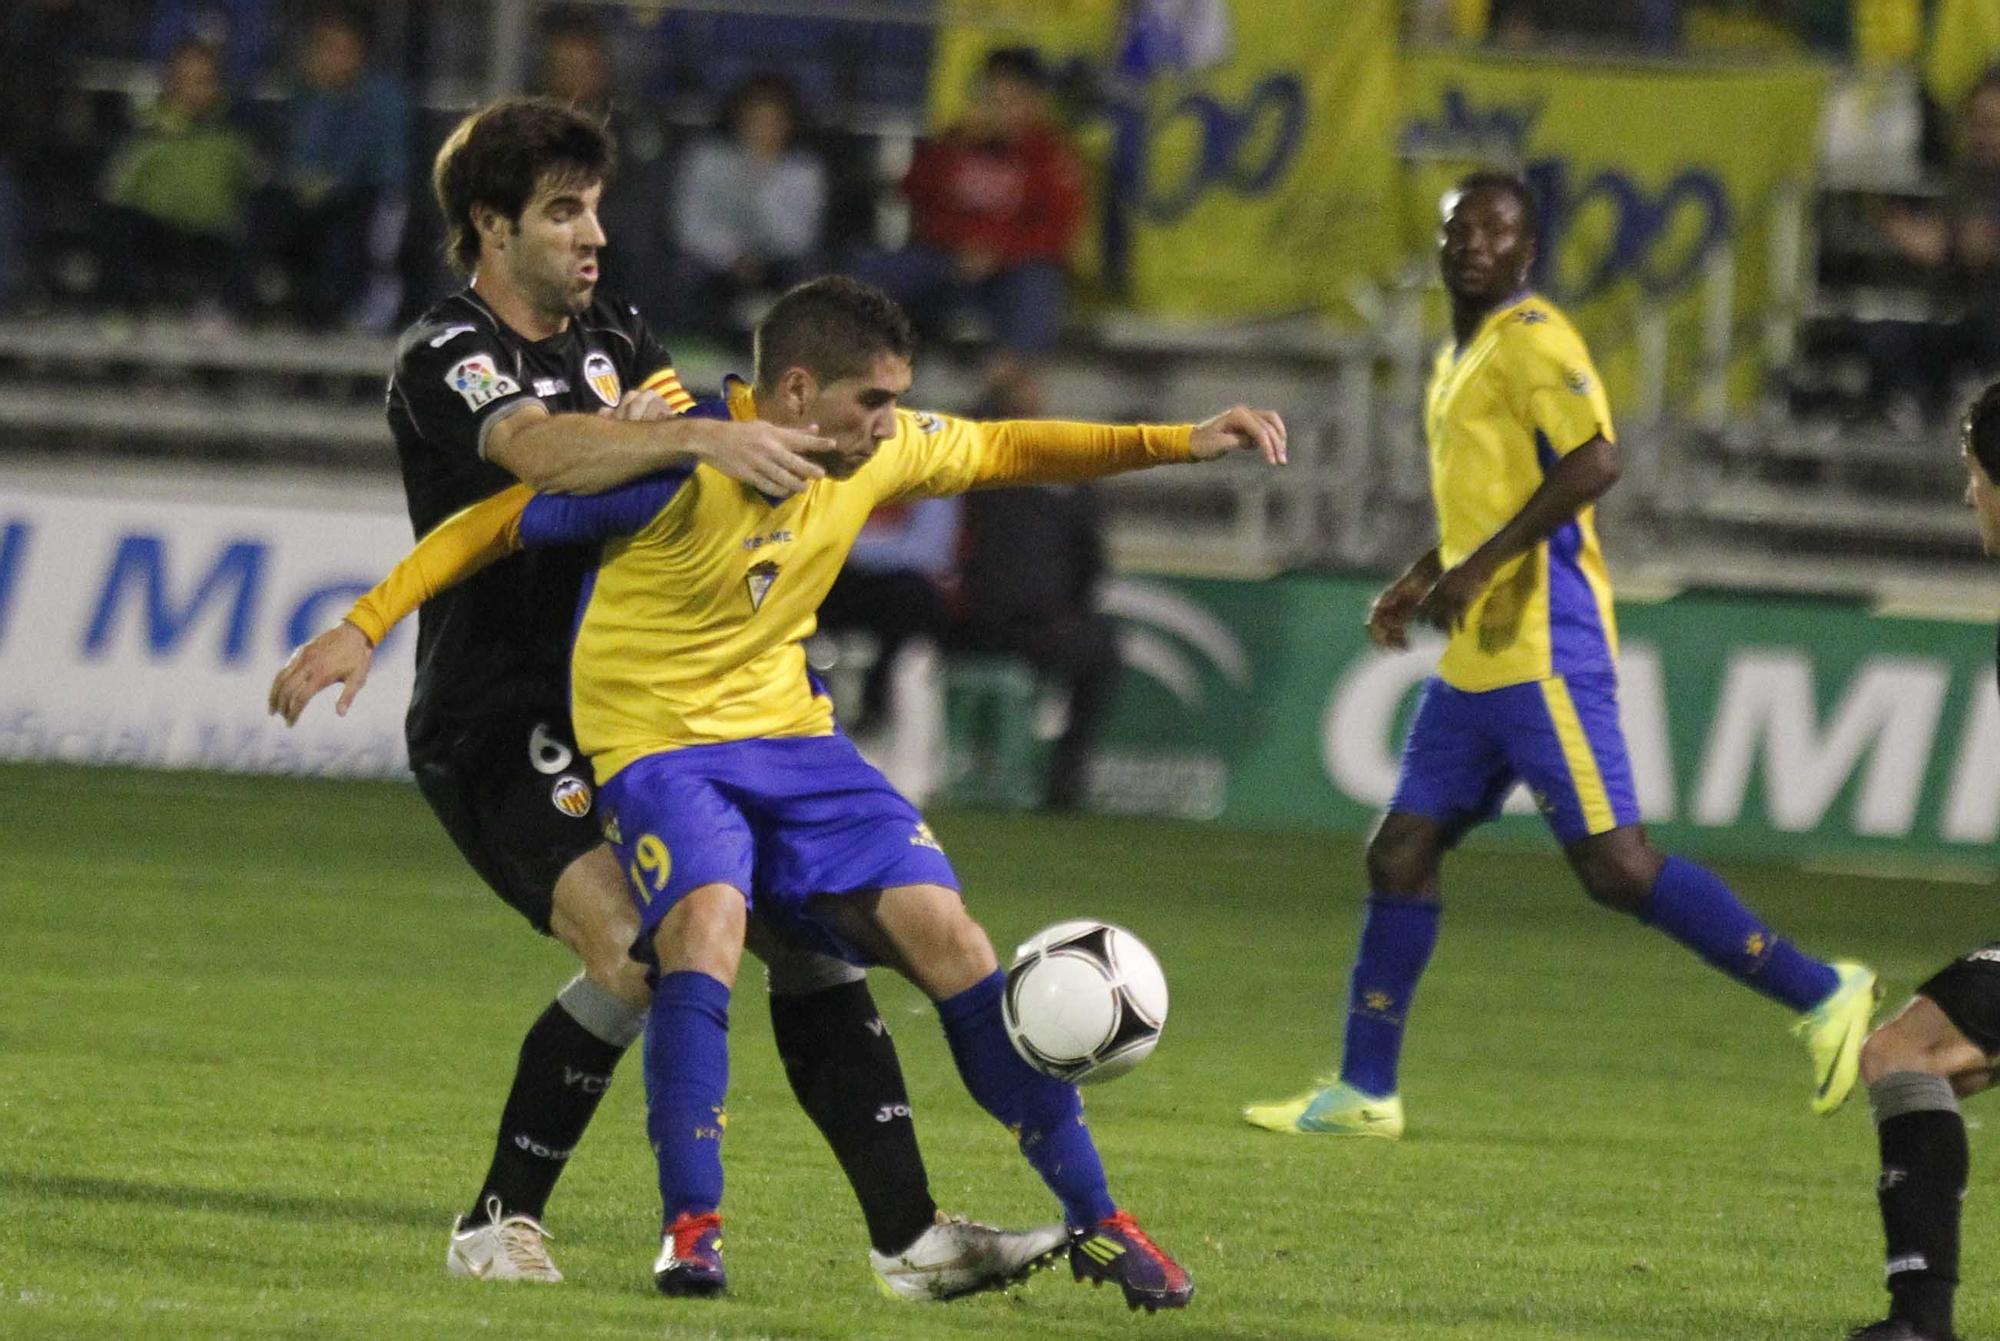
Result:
{"points": [[1688, 903], [1694, 907], [1396, 939], [1045, 1114], [687, 1075]]}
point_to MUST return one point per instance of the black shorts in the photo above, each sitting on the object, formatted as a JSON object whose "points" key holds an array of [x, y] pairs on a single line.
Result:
{"points": [[519, 800], [1967, 990]]}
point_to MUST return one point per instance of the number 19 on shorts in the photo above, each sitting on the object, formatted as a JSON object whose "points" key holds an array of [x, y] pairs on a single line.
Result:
{"points": [[649, 867]]}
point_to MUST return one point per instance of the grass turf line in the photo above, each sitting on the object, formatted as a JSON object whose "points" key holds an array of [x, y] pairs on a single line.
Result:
{"points": [[254, 1035]]}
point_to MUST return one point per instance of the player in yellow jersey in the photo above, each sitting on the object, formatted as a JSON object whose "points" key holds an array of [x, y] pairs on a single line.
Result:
{"points": [[1521, 447], [529, 372], [726, 782]]}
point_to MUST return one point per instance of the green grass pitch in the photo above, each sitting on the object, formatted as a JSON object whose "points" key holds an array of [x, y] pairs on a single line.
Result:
{"points": [[254, 1035]]}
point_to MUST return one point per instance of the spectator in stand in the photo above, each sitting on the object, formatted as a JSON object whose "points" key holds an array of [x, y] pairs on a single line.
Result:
{"points": [[238, 30], [1044, 611], [1030, 565], [752, 210], [996, 203], [898, 584], [1955, 246], [577, 69], [331, 221], [176, 191]]}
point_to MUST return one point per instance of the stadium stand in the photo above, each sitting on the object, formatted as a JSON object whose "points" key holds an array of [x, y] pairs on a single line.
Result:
{"points": [[1840, 487]]}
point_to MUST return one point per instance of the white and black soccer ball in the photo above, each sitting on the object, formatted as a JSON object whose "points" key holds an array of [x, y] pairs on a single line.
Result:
{"points": [[1085, 1001]]}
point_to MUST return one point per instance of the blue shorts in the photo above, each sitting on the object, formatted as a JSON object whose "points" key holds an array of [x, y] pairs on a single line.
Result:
{"points": [[779, 819], [1560, 736]]}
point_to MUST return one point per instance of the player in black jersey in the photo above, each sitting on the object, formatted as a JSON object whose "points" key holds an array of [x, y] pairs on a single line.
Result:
{"points": [[1940, 1048], [528, 375]]}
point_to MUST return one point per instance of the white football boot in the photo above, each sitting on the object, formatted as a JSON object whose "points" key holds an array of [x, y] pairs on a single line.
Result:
{"points": [[510, 1248], [956, 1257]]}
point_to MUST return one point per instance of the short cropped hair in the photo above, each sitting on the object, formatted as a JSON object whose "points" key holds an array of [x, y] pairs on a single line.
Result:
{"points": [[1022, 64], [833, 327], [1982, 431], [349, 16], [1512, 183], [501, 154]]}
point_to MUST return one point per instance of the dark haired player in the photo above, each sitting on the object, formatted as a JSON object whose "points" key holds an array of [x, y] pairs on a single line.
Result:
{"points": [[728, 784], [528, 374], [1521, 448], [1942, 1047]]}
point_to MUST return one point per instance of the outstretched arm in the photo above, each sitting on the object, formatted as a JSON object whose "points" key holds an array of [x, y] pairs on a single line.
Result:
{"points": [[461, 545], [1047, 451], [587, 454], [458, 547], [1579, 479]]}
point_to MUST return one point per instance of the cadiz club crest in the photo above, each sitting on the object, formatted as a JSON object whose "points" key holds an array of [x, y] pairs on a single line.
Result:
{"points": [[760, 578], [603, 377]]}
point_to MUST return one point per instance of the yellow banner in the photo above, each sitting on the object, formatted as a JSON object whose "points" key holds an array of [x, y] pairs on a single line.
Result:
{"points": [[1657, 183], [1246, 149]]}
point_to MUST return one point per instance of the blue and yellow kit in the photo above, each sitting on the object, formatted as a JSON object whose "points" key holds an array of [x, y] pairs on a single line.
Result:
{"points": [[1526, 689], [1500, 411], [689, 647], [692, 629]]}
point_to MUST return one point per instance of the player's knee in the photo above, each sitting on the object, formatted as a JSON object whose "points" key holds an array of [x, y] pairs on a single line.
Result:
{"points": [[1620, 877], [964, 949], [1890, 1050], [1400, 863], [614, 970], [703, 933], [950, 953], [603, 947], [1618, 888]]}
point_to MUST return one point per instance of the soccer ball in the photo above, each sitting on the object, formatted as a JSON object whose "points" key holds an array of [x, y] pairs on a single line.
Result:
{"points": [[1085, 1001]]}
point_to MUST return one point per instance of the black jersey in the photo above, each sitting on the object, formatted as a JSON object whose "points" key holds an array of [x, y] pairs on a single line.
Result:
{"points": [[499, 642]]}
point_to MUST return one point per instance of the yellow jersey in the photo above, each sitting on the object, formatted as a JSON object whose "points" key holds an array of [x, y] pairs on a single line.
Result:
{"points": [[1499, 412], [691, 631]]}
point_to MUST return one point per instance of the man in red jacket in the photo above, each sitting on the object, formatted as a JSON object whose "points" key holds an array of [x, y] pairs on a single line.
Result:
{"points": [[995, 202]]}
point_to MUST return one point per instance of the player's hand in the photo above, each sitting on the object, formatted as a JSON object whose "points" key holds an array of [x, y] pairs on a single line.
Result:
{"points": [[768, 458], [1445, 604], [339, 656], [639, 405], [1390, 613], [1240, 429]]}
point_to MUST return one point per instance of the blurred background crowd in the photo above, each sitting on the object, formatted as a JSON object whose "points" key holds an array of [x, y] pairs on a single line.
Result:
{"points": [[253, 162], [1778, 222]]}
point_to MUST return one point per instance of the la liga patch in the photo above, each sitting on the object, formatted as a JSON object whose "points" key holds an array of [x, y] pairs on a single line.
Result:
{"points": [[478, 382]]}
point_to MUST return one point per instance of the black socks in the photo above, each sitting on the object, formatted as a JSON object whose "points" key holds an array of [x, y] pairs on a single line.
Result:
{"points": [[843, 1068]]}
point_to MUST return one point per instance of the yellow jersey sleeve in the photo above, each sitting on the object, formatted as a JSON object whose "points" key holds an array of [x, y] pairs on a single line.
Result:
{"points": [[456, 548], [1559, 392], [668, 383], [946, 455]]}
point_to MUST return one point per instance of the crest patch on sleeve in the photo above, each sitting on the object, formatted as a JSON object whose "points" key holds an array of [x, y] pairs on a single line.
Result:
{"points": [[479, 382]]}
